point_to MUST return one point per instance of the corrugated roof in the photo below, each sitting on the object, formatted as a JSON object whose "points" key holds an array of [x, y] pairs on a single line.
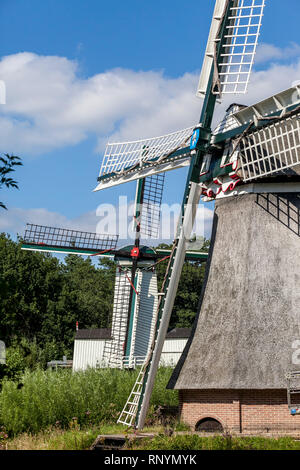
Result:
{"points": [[94, 333]]}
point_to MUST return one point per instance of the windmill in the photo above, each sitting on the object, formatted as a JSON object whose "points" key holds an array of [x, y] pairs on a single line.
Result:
{"points": [[135, 289], [218, 162]]}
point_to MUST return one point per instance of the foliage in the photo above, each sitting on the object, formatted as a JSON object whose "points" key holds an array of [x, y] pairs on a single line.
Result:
{"points": [[187, 298], [67, 399], [7, 166], [41, 299]]}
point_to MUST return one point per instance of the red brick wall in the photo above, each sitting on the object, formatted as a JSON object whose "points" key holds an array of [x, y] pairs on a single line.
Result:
{"points": [[247, 411]]}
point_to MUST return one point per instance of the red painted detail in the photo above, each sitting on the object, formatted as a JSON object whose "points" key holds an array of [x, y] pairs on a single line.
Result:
{"points": [[138, 223], [227, 188], [128, 279], [234, 176], [100, 252], [210, 193], [233, 184], [135, 252], [41, 243], [235, 165]]}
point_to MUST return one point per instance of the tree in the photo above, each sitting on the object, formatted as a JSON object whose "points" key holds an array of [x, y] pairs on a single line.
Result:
{"points": [[7, 166], [41, 298], [188, 293]]}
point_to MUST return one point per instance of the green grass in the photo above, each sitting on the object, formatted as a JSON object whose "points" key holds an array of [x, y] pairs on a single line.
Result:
{"points": [[66, 400], [196, 442], [82, 439], [60, 439]]}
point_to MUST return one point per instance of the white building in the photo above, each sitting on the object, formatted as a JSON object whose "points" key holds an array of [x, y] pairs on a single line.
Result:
{"points": [[89, 347]]}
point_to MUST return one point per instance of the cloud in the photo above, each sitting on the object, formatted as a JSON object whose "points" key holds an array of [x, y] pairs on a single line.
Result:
{"points": [[268, 52], [50, 105], [14, 220], [107, 219]]}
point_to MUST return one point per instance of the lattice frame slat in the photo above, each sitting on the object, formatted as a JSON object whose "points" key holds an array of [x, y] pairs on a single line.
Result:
{"points": [[67, 238], [239, 45], [271, 150], [120, 156]]}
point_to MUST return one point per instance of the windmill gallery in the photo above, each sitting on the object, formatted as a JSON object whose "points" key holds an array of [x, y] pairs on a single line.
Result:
{"points": [[237, 371]]}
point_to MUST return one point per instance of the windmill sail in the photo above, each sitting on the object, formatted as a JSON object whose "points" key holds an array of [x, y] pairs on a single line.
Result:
{"points": [[137, 335], [151, 207], [114, 348], [272, 150], [234, 59], [127, 161], [53, 237], [2, 353]]}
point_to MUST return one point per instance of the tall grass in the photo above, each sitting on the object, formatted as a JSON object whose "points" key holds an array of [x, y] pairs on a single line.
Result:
{"points": [[65, 399]]}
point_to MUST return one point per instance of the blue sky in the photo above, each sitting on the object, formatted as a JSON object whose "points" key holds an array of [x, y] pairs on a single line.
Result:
{"points": [[79, 73]]}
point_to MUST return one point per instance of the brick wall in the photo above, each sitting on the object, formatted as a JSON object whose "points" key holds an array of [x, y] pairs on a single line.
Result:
{"points": [[246, 411]]}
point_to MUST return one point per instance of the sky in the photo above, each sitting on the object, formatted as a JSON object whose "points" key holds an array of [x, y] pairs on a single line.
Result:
{"points": [[79, 73]]}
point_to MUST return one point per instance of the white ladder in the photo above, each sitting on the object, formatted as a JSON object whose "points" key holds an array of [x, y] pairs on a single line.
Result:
{"points": [[130, 409]]}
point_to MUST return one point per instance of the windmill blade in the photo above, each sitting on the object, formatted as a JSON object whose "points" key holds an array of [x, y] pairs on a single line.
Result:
{"points": [[128, 161], [151, 207], [234, 59], [2, 353], [40, 237], [272, 150]]}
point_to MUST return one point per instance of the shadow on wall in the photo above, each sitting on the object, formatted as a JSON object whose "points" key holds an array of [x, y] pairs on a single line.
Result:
{"points": [[284, 207]]}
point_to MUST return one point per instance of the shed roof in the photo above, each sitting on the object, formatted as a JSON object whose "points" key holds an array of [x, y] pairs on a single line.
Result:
{"points": [[94, 333], [105, 333], [179, 333]]}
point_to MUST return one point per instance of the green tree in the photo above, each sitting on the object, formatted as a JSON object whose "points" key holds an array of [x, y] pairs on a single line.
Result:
{"points": [[7, 166], [42, 298], [189, 289]]}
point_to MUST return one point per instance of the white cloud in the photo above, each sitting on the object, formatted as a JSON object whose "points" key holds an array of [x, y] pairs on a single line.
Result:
{"points": [[14, 220], [50, 105], [268, 52], [107, 219]]}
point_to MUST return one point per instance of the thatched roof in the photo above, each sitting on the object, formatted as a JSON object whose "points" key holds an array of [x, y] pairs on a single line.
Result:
{"points": [[249, 314]]}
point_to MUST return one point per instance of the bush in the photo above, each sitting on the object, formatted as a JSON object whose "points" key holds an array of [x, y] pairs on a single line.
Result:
{"points": [[66, 399]]}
